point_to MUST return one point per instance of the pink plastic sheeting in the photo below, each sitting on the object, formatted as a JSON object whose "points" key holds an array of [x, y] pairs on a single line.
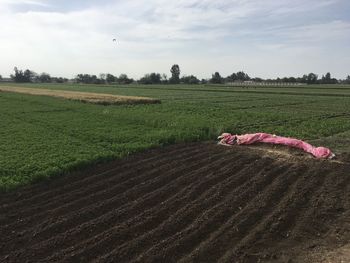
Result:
{"points": [[318, 152]]}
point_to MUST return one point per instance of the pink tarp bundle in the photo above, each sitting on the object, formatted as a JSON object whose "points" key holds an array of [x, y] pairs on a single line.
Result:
{"points": [[318, 152]]}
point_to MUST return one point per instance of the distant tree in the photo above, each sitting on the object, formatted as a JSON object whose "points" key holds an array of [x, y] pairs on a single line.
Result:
{"points": [[43, 78], [257, 79], [327, 79], [145, 79], [204, 81], [88, 79], [153, 78], [91, 79], [175, 74], [334, 81], [110, 78], [292, 80], [102, 77], [303, 79], [328, 76], [312, 78], [29, 75], [216, 78], [0, 77], [232, 77], [190, 80], [242, 76], [123, 79], [164, 78], [23, 76], [239, 76], [82, 78], [18, 76], [287, 80], [347, 80], [59, 80]]}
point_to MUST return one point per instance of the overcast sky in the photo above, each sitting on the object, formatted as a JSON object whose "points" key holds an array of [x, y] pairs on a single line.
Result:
{"points": [[267, 38]]}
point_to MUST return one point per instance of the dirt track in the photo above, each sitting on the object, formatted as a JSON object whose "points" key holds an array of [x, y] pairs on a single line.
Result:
{"points": [[183, 203], [90, 97]]}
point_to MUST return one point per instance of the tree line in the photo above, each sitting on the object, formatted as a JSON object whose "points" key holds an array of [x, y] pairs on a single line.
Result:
{"points": [[310, 78], [23, 76]]}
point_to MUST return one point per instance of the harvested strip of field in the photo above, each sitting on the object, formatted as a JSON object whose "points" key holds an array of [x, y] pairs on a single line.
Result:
{"points": [[197, 202], [96, 98]]}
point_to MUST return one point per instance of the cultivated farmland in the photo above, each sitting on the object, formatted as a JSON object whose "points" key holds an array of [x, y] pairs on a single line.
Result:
{"points": [[43, 136], [186, 202]]}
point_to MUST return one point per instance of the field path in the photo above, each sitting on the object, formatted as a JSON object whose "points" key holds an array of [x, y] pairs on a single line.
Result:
{"points": [[197, 202], [91, 97]]}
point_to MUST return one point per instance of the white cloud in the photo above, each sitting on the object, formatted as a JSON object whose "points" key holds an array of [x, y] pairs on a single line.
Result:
{"points": [[23, 2], [312, 33], [17, 2], [152, 36]]}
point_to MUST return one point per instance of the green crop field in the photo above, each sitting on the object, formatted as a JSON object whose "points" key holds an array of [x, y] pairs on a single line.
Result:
{"points": [[44, 136]]}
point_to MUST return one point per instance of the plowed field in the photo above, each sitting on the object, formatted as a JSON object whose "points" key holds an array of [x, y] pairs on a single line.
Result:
{"points": [[184, 203]]}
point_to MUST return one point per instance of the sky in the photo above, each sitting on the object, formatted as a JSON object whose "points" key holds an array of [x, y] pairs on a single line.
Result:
{"points": [[265, 39]]}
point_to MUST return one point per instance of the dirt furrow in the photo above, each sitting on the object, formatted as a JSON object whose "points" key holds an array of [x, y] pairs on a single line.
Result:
{"points": [[208, 224], [267, 224], [137, 197], [177, 207], [59, 187], [197, 202], [104, 189]]}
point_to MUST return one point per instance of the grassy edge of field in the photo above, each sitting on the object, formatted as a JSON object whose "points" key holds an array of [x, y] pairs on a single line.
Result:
{"points": [[44, 176], [8, 184]]}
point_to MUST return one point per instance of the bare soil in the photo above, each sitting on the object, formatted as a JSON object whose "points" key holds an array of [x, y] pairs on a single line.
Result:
{"points": [[90, 97], [197, 202]]}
